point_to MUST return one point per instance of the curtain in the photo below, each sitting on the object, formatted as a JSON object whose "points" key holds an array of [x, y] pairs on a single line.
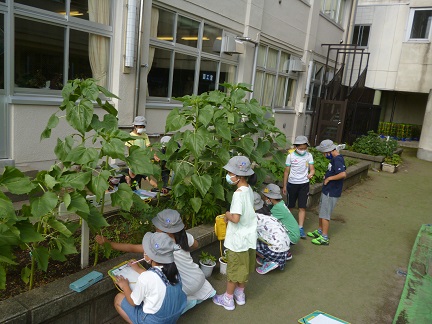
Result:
{"points": [[153, 33], [269, 85], [280, 91], [99, 12]]}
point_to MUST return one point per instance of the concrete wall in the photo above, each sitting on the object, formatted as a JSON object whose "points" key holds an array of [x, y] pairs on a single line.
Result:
{"points": [[409, 107]]}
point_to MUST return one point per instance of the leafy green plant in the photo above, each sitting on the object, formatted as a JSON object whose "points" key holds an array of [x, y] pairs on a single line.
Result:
{"points": [[320, 165], [82, 170], [395, 159], [372, 144], [207, 258], [211, 128]]}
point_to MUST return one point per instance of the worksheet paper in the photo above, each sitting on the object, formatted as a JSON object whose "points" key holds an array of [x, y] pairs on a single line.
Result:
{"points": [[127, 272], [322, 319]]}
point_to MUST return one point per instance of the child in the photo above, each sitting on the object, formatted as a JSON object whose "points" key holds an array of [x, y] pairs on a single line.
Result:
{"points": [[331, 191], [157, 296], [273, 244], [280, 211], [241, 235], [299, 169], [196, 287], [141, 139]]}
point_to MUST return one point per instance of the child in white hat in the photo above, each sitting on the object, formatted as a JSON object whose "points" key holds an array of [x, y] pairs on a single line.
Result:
{"points": [[241, 235], [157, 296]]}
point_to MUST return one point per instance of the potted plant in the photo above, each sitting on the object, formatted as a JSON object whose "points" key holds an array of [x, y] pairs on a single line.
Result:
{"points": [[223, 261], [207, 263], [391, 163]]}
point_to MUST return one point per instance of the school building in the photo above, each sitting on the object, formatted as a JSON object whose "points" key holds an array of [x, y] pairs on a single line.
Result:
{"points": [[148, 51]]}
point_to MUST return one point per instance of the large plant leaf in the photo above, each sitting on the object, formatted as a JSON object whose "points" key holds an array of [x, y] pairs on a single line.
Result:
{"points": [[50, 181], [25, 274], [202, 183], [196, 141], [247, 145], [218, 191], [59, 226], [181, 171], [57, 255], [115, 148], [43, 205], [41, 255], [122, 197], [15, 181], [76, 180], [10, 235], [4, 259], [28, 233], [78, 203], [82, 155], [63, 148], [139, 160], [206, 115], [66, 245], [108, 123], [196, 204], [99, 184], [89, 89], [52, 123], [222, 129], [174, 121], [7, 210], [94, 219], [80, 115]]}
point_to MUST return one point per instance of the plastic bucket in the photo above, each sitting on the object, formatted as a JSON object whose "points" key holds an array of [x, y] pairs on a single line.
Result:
{"points": [[207, 269], [223, 266]]}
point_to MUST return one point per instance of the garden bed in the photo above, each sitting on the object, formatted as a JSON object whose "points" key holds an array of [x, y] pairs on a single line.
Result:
{"points": [[375, 161], [56, 303]]}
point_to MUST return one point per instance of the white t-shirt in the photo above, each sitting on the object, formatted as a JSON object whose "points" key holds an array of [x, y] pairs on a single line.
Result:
{"points": [[272, 231], [151, 290], [299, 167], [242, 236], [191, 275]]}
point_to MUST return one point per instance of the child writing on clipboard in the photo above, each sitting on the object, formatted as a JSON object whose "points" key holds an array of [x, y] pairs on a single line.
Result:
{"points": [[157, 296], [196, 287]]}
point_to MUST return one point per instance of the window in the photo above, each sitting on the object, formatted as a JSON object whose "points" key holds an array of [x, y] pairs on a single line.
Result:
{"points": [[333, 9], [361, 35], [420, 22], [275, 84], [315, 86], [50, 50], [185, 56]]}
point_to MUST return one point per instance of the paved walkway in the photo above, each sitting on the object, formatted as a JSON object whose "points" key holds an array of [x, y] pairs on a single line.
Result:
{"points": [[356, 278]]}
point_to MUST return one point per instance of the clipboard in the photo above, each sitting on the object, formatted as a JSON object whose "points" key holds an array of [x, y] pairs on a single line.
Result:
{"points": [[126, 271], [319, 317]]}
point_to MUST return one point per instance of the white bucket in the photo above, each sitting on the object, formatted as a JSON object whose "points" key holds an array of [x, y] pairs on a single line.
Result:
{"points": [[207, 269], [223, 266]]}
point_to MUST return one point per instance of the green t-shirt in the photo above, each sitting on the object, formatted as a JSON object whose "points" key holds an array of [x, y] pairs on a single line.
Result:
{"points": [[282, 213]]}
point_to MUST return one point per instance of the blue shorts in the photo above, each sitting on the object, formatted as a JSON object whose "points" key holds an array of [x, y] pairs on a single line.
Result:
{"points": [[135, 313]]}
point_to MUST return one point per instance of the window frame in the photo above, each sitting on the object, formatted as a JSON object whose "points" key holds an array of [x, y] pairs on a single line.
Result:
{"points": [[197, 52], [278, 75], [335, 13], [360, 35], [410, 26], [68, 23]]}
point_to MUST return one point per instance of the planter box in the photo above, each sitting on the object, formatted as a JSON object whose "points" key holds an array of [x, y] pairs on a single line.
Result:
{"points": [[389, 168], [375, 161]]}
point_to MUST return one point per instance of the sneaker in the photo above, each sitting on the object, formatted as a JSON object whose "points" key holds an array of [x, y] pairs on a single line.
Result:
{"points": [[267, 267], [289, 256], [302, 233], [314, 234], [240, 298], [222, 300], [260, 261], [320, 240]]}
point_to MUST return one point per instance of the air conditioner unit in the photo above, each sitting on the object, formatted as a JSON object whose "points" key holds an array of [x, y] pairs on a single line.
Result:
{"points": [[232, 45], [296, 65]]}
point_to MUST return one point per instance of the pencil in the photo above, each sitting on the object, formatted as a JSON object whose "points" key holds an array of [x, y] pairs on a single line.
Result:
{"points": [[138, 261]]}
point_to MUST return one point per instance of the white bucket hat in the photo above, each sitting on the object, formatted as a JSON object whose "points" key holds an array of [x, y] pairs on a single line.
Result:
{"points": [[168, 221], [239, 165], [139, 121], [326, 146], [258, 202], [159, 247], [272, 191], [301, 139]]}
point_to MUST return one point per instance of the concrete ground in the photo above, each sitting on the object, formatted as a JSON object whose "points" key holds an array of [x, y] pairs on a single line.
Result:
{"points": [[357, 277]]}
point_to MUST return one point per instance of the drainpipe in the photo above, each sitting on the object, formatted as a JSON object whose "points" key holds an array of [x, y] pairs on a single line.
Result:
{"points": [[255, 43], [138, 64]]}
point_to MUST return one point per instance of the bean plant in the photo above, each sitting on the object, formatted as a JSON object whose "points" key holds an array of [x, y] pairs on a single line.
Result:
{"points": [[82, 169]]}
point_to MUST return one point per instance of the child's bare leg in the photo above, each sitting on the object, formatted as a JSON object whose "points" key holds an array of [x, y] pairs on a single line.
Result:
{"points": [[117, 304], [231, 287], [325, 226], [301, 216]]}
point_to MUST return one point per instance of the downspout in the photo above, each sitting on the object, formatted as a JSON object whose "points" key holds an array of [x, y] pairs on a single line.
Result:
{"points": [[138, 62], [351, 22]]}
